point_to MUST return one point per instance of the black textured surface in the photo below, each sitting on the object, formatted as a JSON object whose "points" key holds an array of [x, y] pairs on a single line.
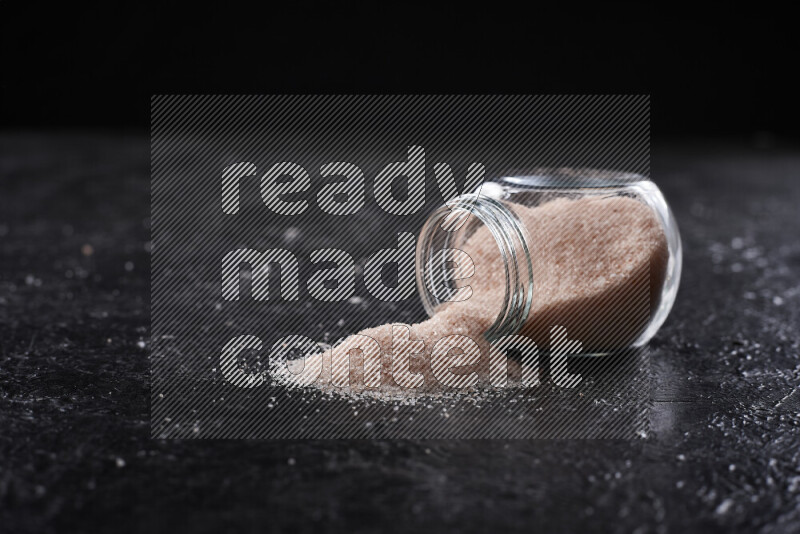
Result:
{"points": [[75, 452]]}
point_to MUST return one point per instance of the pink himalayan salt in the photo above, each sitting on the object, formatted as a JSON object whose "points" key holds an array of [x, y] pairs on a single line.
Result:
{"points": [[598, 262]]}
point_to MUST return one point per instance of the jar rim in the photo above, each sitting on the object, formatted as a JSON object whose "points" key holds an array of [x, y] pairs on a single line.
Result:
{"points": [[570, 178]]}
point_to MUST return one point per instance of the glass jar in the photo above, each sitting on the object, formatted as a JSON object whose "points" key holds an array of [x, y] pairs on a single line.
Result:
{"points": [[595, 252]]}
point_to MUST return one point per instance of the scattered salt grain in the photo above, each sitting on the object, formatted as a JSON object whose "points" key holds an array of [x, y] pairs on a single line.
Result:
{"points": [[291, 234], [724, 507]]}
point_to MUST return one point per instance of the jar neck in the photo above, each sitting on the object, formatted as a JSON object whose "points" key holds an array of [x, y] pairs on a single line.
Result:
{"points": [[446, 228]]}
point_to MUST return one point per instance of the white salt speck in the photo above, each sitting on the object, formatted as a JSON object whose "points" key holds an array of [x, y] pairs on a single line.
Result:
{"points": [[340, 322], [679, 484], [737, 243], [291, 461], [141, 344], [120, 462], [777, 301], [681, 457], [723, 507], [751, 253], [355, 300], [732, 468], [291, 234], [129, 266]]}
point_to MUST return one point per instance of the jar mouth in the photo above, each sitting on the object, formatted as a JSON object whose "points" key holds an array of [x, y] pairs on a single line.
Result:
{"points": [[443, 230]]}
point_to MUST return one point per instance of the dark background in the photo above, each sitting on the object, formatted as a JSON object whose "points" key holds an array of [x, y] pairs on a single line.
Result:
{"points": [[75, 447], [93, 64]]}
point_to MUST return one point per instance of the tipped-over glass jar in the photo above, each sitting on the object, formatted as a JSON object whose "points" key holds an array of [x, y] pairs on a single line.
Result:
{"points": [[597, 253]]}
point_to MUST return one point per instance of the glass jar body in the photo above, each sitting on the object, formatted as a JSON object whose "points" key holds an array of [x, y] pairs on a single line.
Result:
{"points": [[595, 253]]}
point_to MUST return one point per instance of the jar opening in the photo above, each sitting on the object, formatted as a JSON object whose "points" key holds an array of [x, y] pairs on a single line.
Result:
{"points": [[446, 230]]}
